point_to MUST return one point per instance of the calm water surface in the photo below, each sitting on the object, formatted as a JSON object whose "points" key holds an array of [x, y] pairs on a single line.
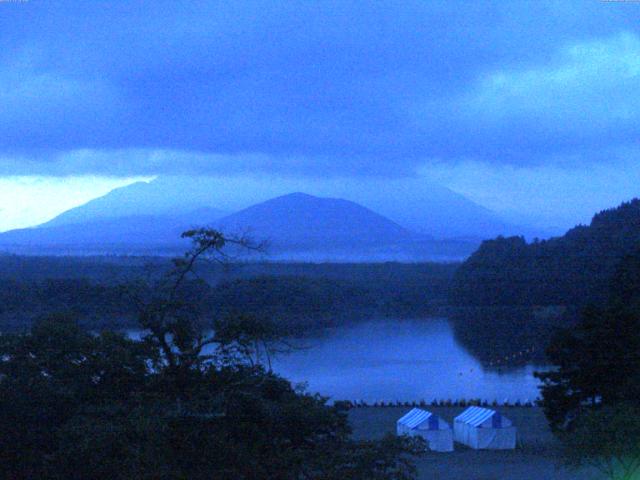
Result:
{"points": [[401, 360]]}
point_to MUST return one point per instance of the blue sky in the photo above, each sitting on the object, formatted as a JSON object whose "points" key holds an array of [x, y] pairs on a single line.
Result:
{"points": [[527, 107]]}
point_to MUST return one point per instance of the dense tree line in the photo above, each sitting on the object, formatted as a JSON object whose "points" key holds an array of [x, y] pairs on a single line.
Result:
{"points": [[571, 270], [114, 270], [302, 302]]}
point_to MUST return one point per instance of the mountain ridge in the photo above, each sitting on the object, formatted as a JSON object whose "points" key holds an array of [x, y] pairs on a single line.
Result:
{"points": [[421, 206], [297, 226], [138, 198]]}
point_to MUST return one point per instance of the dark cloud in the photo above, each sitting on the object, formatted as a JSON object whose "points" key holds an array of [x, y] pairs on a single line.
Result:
{"points": [[316, 87]]}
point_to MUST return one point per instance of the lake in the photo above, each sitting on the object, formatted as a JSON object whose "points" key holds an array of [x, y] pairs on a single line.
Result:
{"points": [[399, 360], [406, 360]]}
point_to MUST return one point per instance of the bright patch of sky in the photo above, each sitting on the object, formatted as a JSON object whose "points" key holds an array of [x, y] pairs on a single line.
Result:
{"points": [[30, 200]]}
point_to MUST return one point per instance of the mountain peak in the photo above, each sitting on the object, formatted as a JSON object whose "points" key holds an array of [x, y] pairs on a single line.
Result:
{"points": [[311, 222], [297, 195]]}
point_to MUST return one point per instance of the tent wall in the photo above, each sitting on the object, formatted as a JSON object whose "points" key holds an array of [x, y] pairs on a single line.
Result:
{"points": [[496, 438], [437, 440], [485, 438]]}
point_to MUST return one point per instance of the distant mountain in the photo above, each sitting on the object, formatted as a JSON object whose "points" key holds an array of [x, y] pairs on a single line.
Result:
{"points": [[304, 227], [152, 199], [133, 234], [296, 226], [141, 218], [434, 210], [301, 221], [418, 205], [423, 221], [574, 269]]}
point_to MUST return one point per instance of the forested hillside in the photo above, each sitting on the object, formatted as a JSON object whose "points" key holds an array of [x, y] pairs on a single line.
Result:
{"points": [[513, 293], [571, 270]]}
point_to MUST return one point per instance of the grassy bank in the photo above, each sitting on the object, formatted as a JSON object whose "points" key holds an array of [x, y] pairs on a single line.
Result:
{"points": [[537, 455]]}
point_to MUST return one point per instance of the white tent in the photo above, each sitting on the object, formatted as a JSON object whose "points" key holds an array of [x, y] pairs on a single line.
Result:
{"points": [[482, 428], [436, 432]]}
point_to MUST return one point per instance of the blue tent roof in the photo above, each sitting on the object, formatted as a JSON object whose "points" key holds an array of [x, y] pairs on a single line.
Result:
{"points": [[415, 417], [475, 416]]}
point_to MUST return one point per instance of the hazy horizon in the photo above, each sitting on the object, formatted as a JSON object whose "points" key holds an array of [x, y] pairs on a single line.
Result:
{"points": [[31, 201]]}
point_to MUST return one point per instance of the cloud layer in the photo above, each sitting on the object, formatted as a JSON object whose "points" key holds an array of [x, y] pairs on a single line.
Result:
{"points": [[313, 88]]}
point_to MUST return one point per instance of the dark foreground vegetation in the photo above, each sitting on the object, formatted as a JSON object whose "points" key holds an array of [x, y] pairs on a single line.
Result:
{"points": [[75, 405]]}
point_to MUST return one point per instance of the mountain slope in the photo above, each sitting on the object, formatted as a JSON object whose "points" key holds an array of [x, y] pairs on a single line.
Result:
{"points": [[303, 227], [511, 296], [418, 205], [132, 234], [291, 222], [298, 220], [434, 210], [296, 227], [156, 198]]}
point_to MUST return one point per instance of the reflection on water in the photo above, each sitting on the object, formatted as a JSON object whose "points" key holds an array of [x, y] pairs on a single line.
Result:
{"points": [[401, 360]]}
